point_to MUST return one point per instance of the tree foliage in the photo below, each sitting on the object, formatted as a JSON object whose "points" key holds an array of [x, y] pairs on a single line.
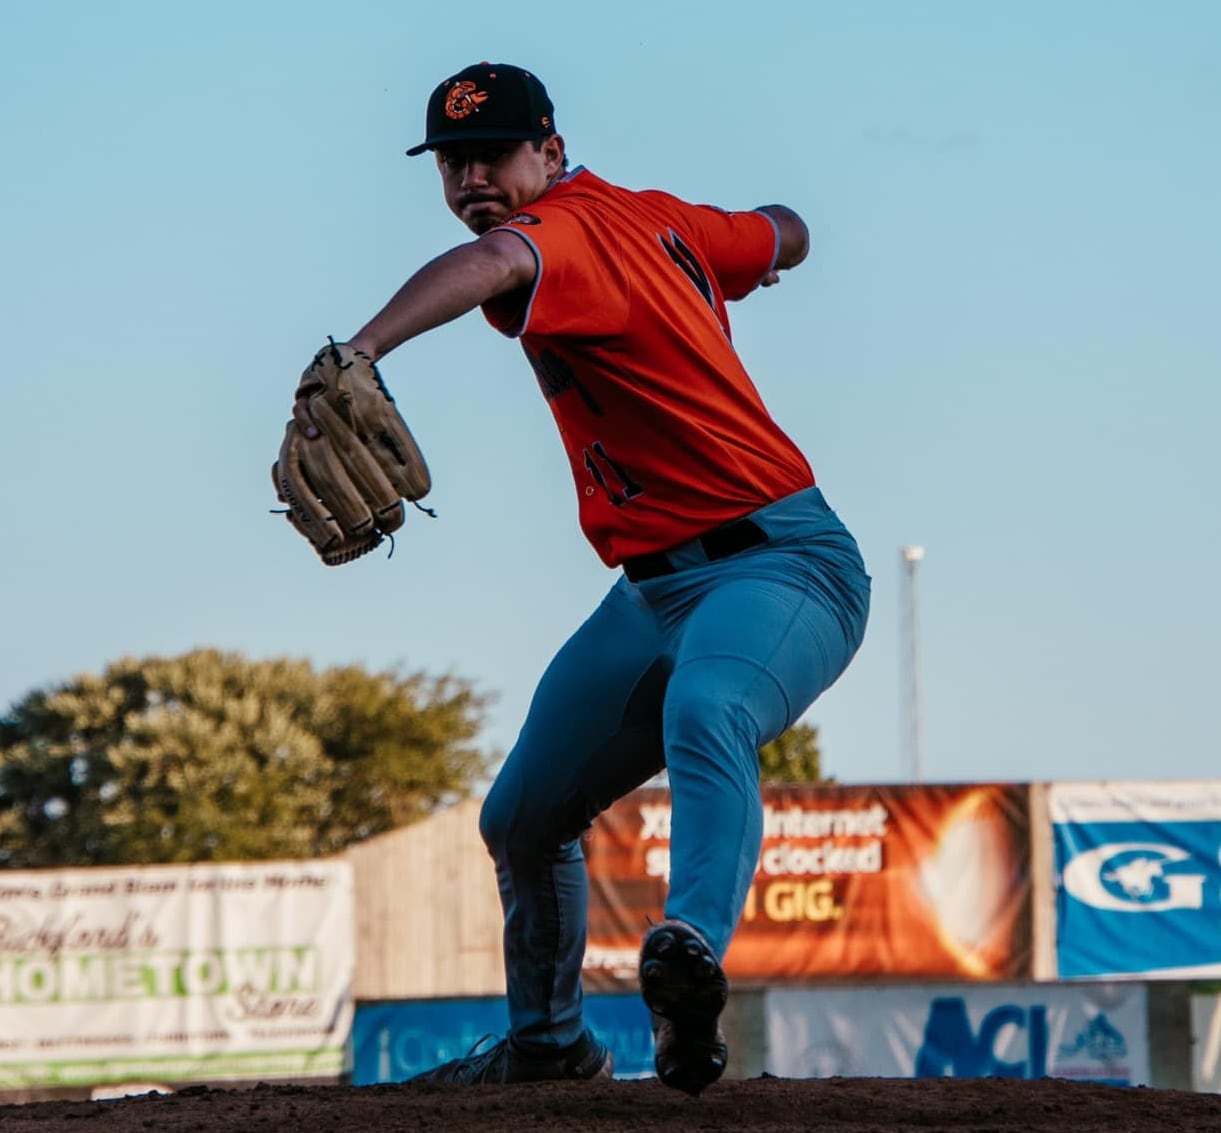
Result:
{"points": [[792, 757], [210, 756]]}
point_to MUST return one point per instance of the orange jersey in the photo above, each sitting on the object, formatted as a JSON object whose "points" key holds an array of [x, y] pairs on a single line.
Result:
{"points": [[627, 332]]}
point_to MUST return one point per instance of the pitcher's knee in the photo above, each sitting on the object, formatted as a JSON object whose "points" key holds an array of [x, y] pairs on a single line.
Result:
{"points": [[496, 821], [516, 828], [725, 700], [706, 723]]}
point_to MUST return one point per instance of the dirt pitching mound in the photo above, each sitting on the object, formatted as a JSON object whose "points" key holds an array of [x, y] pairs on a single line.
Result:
{"points": [[774, 1105]]}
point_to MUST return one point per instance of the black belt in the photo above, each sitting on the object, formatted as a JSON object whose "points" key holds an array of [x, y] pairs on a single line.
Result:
{"points": [[718, 544]]}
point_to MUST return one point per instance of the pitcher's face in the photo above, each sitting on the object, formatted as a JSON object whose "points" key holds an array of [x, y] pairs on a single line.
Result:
{"points": [[487, 181]]}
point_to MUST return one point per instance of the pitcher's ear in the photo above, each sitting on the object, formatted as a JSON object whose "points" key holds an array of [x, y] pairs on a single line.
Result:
{"points": [[553, 153]]}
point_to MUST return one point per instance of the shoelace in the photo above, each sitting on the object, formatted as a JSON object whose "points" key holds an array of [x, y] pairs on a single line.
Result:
{"points": [[476, 1067]]}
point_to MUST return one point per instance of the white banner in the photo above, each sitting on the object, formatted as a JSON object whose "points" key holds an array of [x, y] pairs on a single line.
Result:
{"points": [[1206, 1043], [1088, 1032], [175, 973], [1180, 800]]}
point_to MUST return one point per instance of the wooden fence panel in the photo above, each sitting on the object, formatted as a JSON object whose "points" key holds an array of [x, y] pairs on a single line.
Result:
{"points": [[428, 918]]}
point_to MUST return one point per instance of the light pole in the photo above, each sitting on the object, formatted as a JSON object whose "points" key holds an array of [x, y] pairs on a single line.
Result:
{"points": [[911, 557]]}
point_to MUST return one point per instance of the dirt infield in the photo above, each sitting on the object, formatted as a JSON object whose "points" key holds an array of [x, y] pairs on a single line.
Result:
{"points": [[776, 1105]]}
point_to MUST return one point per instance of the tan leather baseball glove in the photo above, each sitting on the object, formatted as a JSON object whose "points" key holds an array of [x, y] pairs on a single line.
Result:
{"points": [[345, 488]]}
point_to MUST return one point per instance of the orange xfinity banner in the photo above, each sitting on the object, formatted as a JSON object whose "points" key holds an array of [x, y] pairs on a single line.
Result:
{"points": [[925, 880]]}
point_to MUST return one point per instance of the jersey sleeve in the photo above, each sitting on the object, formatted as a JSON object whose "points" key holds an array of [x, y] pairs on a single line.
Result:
{"points": [[740, 248], [581, 288]]}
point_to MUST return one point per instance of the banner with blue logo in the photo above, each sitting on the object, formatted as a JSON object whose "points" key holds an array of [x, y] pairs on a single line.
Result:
{"points": [[394, 1041], [1085, 1032], [1138, 878]]}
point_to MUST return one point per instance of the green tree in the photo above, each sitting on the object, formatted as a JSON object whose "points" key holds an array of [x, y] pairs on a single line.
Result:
{"points": [[210, 756], [792, 757]]}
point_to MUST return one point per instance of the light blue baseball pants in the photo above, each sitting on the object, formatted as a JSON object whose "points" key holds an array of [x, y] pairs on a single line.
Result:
{"points": [[693, 671]]}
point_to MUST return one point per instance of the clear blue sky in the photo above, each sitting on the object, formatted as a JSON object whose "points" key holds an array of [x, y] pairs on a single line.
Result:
{"points": [[1006, 346]]}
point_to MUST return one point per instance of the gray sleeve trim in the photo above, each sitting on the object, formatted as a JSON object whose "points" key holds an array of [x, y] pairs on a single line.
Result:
{"points": [[524, 321]]}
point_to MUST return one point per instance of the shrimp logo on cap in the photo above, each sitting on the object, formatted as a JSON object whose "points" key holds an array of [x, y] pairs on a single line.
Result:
{"points": [[463, 99]]}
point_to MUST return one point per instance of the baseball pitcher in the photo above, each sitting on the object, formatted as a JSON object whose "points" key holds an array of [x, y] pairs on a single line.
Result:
{"points": [[740, 594]]}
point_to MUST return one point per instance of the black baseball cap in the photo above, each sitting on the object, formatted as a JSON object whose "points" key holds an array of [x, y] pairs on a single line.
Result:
{"points": [[487, 102]]}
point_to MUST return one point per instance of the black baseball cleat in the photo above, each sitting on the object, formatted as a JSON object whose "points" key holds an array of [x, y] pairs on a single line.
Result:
{"points": [[503, 1063], [685, 988]]}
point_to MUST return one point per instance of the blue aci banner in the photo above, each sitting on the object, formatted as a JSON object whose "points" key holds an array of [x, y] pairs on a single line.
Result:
{"points": [[1093, 1031], [1138, 879], [391, 1042]]}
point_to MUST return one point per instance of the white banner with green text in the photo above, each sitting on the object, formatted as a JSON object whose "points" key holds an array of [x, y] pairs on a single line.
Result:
{"points": [[175, 973]]}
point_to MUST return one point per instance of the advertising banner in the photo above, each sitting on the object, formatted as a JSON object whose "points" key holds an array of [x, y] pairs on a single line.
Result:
{"points": [[1087, 1032], [903, 881], [1138, 878], [392, 1042], [1206, 1039], [175, 973]]}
